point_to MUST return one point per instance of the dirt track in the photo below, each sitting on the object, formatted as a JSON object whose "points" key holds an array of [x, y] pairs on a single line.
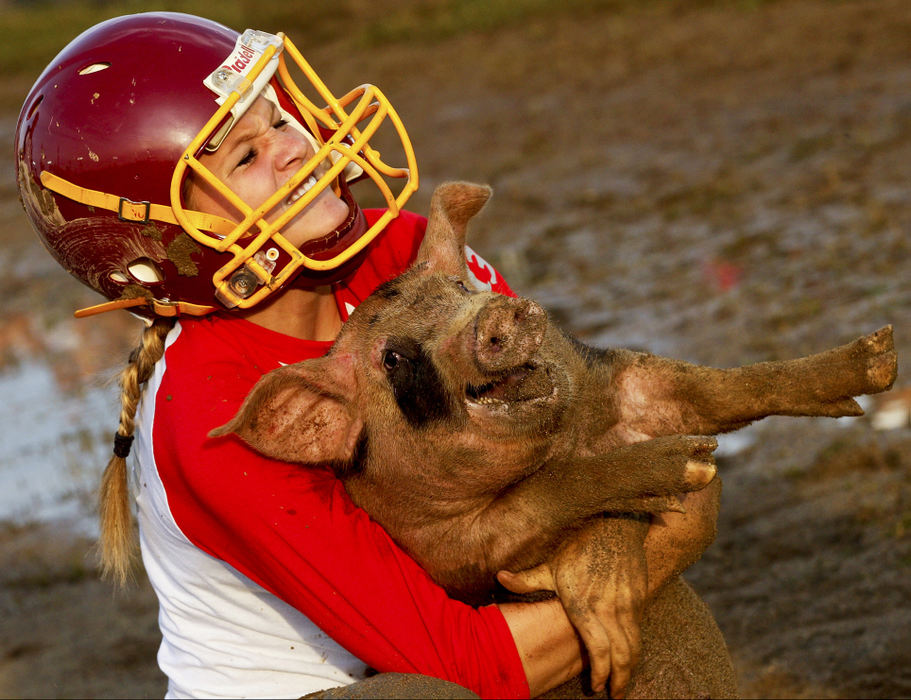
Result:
{"points": [[723, 185]]}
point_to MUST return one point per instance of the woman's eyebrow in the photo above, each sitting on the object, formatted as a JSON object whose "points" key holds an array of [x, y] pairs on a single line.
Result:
{"points": [[240, 133], [245, 130], [251, 128]]}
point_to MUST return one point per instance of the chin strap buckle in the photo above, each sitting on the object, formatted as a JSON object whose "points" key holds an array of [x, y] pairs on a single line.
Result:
{"points": [[138, 212]]}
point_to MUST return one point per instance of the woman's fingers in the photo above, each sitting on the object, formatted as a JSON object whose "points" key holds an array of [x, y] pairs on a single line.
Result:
{"points": [[610, 631], [538, 578], [600, 648]]}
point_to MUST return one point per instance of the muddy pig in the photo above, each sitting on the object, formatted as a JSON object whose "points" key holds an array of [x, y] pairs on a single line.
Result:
{"points": [[479, 435]]}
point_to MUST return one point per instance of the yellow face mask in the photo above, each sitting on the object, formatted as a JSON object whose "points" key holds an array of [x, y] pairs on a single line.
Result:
{"points": [[340, 133]]}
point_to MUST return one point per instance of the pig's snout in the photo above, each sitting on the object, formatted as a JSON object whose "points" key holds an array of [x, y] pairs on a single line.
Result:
{"points": [[508, 333]]}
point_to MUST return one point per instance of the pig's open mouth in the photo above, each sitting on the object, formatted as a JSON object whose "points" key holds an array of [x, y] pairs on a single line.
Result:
{"points": [[525, 383]]}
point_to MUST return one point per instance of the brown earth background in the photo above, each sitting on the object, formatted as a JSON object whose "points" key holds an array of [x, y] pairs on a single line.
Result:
{"points": [[724, 182]]}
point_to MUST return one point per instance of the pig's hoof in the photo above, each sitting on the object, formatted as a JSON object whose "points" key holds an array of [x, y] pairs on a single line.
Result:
{"points": [[882, 366], [879, 341], [703, 446], [700, 465]]}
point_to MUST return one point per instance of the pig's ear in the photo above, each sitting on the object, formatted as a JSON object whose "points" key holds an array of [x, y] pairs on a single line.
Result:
{"points": [[302, 413], [451, 207]]}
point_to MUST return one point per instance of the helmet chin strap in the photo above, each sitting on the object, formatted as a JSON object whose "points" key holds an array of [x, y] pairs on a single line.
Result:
{"points": [[159, 308], [128, 210]]}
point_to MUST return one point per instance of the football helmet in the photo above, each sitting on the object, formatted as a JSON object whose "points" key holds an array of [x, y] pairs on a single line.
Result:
{"points": [[117, 123]]}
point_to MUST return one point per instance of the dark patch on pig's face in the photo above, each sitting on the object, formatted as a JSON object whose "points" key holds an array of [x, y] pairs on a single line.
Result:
{"points": [[416, 384]]}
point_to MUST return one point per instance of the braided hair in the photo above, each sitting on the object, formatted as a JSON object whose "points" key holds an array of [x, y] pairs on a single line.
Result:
{"points": [[118, 544]]}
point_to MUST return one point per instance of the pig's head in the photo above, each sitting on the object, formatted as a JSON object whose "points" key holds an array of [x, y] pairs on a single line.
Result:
{"points": [[426, 360]]}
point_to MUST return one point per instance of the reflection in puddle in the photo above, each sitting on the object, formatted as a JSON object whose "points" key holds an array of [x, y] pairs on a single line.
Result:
{"points": [[55, 446]]}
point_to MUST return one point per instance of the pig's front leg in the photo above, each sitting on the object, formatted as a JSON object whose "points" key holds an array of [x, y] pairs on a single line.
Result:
{"points": [[658, 396], [521, 526]]}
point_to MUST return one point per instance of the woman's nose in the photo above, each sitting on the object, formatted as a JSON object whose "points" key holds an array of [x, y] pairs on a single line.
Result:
{"points": [[291, 149]]}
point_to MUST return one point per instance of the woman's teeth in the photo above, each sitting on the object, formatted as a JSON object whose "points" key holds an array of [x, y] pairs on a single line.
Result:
{"points": [[302, 190]]}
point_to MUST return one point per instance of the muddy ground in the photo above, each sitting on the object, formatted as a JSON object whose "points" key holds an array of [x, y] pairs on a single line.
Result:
{"points": [[723, 182]]}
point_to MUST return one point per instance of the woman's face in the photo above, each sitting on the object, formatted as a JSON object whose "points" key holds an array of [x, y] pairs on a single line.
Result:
{"points": [[259, 154]]}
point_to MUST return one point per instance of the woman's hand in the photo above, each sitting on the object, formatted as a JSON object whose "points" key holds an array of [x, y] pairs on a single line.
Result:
{"points": [[601, 577], [549, 649]]}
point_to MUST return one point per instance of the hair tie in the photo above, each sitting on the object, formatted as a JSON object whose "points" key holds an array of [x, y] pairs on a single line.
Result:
{"points": [[122, 445]]}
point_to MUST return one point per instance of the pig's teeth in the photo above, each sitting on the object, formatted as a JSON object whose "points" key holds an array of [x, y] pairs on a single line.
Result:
{"points": [[489, 400]]}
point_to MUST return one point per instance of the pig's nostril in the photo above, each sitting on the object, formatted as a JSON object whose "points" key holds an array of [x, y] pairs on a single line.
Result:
{"points": [[497, 343]]}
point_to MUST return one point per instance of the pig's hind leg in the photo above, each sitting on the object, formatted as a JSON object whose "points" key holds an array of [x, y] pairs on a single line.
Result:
{"points": [[657, 396]]}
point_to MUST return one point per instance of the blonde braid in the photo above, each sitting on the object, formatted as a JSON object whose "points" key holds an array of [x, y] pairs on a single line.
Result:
{"points": [[118, 540]]}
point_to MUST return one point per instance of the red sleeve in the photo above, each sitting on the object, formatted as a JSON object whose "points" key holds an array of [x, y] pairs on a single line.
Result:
{"points": [[295, 531]]}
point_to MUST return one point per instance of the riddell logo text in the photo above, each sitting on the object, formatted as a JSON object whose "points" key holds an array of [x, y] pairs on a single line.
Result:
{"points": [[242, 59]]}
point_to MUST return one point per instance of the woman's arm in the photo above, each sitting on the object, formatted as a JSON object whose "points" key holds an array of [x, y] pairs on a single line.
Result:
{"points": [[550, 650], [296, 533]]}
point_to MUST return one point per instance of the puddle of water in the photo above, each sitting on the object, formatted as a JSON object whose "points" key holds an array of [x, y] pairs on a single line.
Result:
{"points": [[57, 416], [55, 447]]}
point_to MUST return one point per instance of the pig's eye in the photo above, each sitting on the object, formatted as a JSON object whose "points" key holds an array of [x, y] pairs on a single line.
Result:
{"points": [[391, 360]]}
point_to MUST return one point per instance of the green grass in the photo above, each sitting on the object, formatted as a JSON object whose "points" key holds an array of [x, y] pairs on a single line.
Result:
{"points": [[41, 28], [428, 21]]}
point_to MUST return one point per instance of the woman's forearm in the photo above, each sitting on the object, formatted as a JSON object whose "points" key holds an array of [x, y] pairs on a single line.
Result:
{"points": [[550, 650]]}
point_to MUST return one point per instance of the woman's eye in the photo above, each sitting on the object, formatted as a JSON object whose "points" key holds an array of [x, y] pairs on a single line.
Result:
{"points": [[247, 159], [280, 123]]}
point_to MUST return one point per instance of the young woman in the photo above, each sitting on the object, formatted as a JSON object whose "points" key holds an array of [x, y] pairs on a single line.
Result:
{"points": [[178, 169]]}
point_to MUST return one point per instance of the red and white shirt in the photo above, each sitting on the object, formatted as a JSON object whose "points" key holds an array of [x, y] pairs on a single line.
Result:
{"points": [[271, 582]]}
